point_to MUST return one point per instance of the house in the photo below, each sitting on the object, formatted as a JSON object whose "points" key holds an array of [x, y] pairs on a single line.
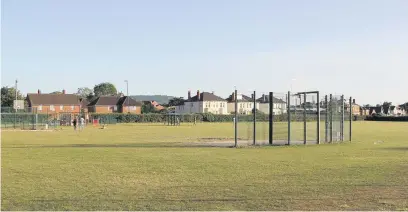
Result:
{"points": [[355, 108], [115, 104], [204, 102], [279, 106], [129, 105], [364, 111], [245, 104], [53, 103]]}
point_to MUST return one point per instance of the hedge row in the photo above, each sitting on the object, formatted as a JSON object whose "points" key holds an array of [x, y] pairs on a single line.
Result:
{"points": [[204, 117], [24, 118], [387, 118]]}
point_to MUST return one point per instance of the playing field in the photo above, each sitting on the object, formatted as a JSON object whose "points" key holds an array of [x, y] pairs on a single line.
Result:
{"points": [[148, 167]]}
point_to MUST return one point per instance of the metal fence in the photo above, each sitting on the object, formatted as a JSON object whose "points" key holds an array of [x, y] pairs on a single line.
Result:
{"points": [[299, 117]]}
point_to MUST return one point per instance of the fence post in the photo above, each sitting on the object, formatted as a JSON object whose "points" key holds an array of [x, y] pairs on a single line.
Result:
{"points": [[318, 117], [236, 119], [331, 118], [254, 117], [289, 118], [304, 119], [270, 118], [351, 115], [342, 119]]}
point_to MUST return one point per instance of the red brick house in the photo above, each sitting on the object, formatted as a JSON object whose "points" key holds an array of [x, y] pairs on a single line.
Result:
{"points": [[53, 103], [115, 104]]}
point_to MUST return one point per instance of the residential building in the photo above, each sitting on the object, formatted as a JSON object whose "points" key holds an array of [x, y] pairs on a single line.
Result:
{"points": [[245, 104], [129, 105], [53, 103], [279, 106], [204, 102], [355, 108], [115, 104]]}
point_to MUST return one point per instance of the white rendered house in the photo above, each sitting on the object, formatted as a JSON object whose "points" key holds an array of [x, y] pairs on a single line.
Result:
{"points": [[204, 102]]}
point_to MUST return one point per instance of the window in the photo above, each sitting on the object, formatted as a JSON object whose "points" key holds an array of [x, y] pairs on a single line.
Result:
{"points": [[39, 107], [115, 108], [52, 107], [61, 107], [72, 107]]}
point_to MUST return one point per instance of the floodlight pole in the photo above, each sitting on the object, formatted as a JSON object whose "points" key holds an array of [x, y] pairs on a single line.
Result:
{"points": [[127, 94], [304, 119]]}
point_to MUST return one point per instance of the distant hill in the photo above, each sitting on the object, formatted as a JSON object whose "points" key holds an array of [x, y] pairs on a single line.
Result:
{"points": [[161, 99]]}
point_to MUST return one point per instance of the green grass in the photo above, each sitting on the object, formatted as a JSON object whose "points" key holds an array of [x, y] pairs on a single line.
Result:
{"points": [[139, 167]]}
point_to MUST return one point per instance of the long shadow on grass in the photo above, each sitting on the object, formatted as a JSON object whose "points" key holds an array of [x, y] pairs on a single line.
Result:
{"points": [[125, 145], [143, 145], [402, 148]]}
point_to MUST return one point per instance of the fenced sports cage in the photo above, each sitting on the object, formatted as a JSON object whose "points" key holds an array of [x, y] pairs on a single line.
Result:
{"points": [[273, 118]]}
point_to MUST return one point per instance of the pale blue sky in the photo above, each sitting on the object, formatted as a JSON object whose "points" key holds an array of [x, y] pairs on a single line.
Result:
{"points": [[355, 47]]}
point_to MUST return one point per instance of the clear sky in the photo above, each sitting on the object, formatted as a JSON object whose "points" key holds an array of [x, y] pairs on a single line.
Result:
{"points": [[354, 47]]}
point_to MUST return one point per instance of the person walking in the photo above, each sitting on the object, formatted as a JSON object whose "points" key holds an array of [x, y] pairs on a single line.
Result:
{"points": [[74, 122], [81, 123]]}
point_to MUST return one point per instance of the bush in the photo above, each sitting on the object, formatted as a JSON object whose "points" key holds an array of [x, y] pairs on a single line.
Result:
{"points": [[387, 118], [201, 117]]}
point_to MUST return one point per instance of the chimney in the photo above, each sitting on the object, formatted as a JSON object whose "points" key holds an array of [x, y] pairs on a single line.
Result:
{"points": [[198, 95], [38, 92], [189, 94], [264, 97], [354, 101], [63, 91], [212, 92], [233, 96]]}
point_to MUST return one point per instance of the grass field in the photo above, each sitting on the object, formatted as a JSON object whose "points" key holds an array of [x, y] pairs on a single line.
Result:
{"points": [[140, 167]]}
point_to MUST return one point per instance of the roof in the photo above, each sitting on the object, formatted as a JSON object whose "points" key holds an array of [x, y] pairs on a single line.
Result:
{"points": [[241, 98], [265, 99], [206, 96], [105, 100], [125, 100], [114, 100], [53, 99]]}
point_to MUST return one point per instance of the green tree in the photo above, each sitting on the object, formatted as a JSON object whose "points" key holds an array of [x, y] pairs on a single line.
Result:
{"points": [[8, 95], [85, 93], [56, 92], [148, 108], [105, 89], [176, 101]]}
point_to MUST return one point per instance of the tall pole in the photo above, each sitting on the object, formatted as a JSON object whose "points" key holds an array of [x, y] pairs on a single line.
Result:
{"points": [[318, 117], [270, 118], [326, 119], [127, 94], [331, 118], [304, 119], [342, 119], [351, 106], [15, 105], [289, 118], [236, 119], [254, 117], [16, 96]]}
